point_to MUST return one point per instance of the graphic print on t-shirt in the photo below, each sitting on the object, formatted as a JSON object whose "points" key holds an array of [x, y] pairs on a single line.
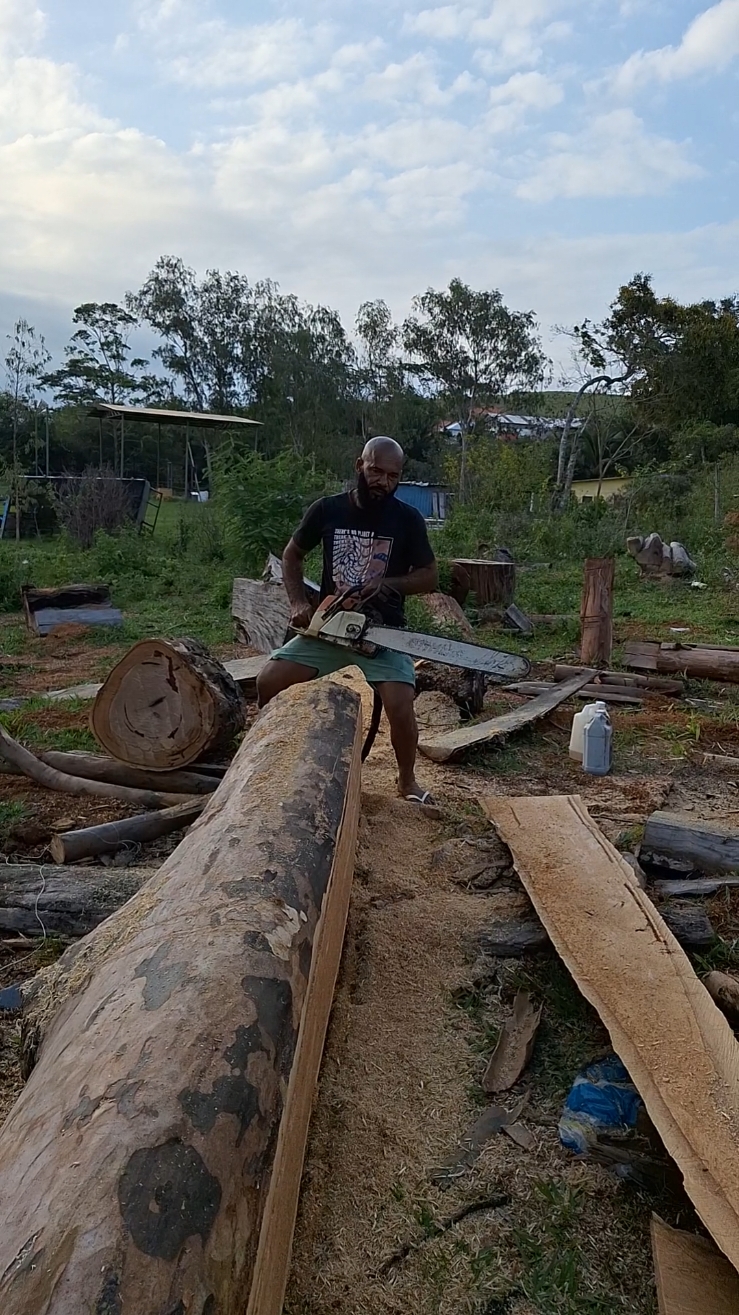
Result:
{"points": [[358, 557]]}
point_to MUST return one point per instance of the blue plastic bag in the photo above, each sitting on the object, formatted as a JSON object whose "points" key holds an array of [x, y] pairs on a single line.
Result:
{"points": [[603, 1100]]}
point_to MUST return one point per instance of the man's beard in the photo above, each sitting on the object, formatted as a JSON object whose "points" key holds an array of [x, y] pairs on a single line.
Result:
{"points": [[366, 497]]}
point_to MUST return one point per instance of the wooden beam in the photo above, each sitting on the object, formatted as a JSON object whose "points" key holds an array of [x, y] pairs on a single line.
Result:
{"points": [[596, 612], [691, 1275], [606, 693], [678, 1048], [68, 901], [709, 845], [442, 748], [152, 1163]]}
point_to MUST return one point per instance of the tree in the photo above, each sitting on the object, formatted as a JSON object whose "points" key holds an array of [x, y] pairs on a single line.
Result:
{"points": [[98, 365], [25, 363], [471, 349]]}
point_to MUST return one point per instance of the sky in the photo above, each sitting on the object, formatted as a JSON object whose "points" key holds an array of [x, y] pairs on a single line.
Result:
{"points": [[548, 148]]}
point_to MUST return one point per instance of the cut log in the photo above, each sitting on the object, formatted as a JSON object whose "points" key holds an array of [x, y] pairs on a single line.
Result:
{"points": [[692, 928], [654, 684], [596, 612], [94, 767], [691, 1275], [446, 612], [38, 771], [725, 991], [152, 1163], [166, 704], [441, 748], [681, 1055], [109, 837], [493, 583], [708, 845], [696, 662], [63, 900]]}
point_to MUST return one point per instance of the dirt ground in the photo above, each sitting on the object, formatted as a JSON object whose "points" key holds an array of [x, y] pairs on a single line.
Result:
{"points": [[524, 1230]]}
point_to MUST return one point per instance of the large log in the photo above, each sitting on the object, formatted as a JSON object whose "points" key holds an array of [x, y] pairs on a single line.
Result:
{"points": [[710, 846], [696, 662], [65, 900], [676, 1045], [109, 837], [94, 767], [493, 583], [152, 1163], [166, 704], [596, 612]]}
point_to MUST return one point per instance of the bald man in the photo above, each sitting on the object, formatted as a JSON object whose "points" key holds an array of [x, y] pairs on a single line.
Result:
{"points": [[369, 538]]}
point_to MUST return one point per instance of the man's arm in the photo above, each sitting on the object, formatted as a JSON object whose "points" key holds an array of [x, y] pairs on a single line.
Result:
{"points": [[424, 580], [292, 576]]}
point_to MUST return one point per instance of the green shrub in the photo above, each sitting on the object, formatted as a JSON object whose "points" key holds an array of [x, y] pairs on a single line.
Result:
{"points": [[260, 500]]}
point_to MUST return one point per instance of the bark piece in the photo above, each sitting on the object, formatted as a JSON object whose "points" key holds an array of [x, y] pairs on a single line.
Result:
{"points": [[699, 662], [108, 837], [681, 1055], [493, 1120], [692, 928], [152, 1163], [454, 743], [596, 612], [691, 1275], [95, 767], [447, 612], [166, 704], [710, 846], [65, 900], [515, 1046], [262, 611], [515, 619], [39, 771], [699, 886], [514, 937], [493, 583]]}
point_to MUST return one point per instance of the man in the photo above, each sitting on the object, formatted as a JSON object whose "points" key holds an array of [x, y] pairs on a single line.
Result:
{"points": [[372, 539]]}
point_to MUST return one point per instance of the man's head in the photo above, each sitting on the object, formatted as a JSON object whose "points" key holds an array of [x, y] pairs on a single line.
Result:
{"points": [[378, 470]]}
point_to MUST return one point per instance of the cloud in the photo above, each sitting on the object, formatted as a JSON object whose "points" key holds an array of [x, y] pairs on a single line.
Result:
{"points": [[708, 45], [22, 25], [506, 33], [614, 156], [415, 79]]}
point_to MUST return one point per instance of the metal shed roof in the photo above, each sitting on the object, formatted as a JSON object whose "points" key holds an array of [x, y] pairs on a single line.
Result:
{"points": [[156, 415]]}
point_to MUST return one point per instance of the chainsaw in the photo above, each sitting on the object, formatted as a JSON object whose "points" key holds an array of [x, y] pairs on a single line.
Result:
{"points": [[352, 622]]}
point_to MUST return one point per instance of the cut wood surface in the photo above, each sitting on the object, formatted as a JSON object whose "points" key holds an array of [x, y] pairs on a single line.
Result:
{"points": [[152, 1162], [109, 837], [51, 779], [596, 612], [441, 748], [95, 767], [692, 1277], [262, 611], [493, 583], [166, 704], [65, 900], [657, 684], [699, 662], [446, 612], [682, 1056], [711, 846]]}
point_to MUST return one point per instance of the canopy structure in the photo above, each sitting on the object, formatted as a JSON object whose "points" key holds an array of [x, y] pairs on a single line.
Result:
{"points": [[156, 415]]}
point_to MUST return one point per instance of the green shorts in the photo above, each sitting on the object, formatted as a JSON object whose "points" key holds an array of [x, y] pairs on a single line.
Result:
{"points": [[325, 658]]}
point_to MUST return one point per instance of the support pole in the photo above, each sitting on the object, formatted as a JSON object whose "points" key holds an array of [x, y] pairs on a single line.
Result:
{"points": [[596, 612]]}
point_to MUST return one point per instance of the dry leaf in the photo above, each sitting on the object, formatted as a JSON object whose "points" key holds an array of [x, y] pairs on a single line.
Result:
{"points": [[515, 1046]]}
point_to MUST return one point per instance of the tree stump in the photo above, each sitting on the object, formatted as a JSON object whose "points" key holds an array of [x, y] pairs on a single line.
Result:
{"points": [[152, 1163], [596, 613], [166, 704], [493, 583]]}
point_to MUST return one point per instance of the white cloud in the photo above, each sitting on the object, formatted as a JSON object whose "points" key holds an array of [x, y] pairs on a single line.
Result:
{"points": [[22, 25], [507, 33], [614, 156], [708, 45]]}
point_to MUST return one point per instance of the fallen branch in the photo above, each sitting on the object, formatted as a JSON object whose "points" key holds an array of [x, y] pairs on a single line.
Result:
{"points": [[67, 901], [95, 767], [108, 837]]}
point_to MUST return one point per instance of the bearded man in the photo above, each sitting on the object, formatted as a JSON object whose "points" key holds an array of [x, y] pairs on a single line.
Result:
{"points": [[374, 541]]}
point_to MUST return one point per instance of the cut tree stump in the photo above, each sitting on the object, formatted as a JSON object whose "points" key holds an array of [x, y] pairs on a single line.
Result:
{"points": [[166, 704], [152, 1163], [710, 846], [676, 1045], [596, 612], [64, 900], [492, 583]]}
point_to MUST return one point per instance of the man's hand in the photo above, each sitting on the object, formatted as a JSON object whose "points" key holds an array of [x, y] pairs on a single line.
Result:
{"points": [[300, 616]]}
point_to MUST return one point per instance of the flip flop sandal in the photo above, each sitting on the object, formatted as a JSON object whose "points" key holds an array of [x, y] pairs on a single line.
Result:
{"points": [[420, 797]]}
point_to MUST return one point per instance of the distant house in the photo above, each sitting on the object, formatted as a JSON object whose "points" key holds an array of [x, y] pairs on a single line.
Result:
{"points": [[432, 500], [586, 490], [507, 426]]}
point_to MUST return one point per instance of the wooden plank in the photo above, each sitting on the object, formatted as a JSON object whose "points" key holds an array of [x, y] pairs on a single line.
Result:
{"points": [[710, 846], [657, 684], [441, 748], [682, 1055], [701, 886], [606, 693], [691, 1275], [596, 612]]}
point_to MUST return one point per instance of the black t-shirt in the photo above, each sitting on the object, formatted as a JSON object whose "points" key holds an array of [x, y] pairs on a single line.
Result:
{"points": [[359, 546]]}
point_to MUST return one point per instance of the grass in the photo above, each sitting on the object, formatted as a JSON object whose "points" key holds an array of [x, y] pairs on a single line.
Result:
{"points": [[11, 811]]}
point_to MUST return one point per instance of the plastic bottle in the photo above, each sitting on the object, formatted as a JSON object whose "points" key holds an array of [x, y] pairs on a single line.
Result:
{"points": [[579, 722], [596, 745]]}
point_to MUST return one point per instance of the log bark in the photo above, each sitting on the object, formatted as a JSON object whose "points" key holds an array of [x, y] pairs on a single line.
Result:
{"points": [[446, 611], [94, 767], [109, 837], [725, 991], [493, 583], [262, 612], [606, 693], [596, 612], [697, 663], [708, 845], [39, 771], [152, 1163], [166, 704], [721, 762], [64, 900], [655, 684]]}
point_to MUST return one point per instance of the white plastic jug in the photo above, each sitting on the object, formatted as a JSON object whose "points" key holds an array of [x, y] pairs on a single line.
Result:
{"points": [[579, 722], [596, 745]]}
